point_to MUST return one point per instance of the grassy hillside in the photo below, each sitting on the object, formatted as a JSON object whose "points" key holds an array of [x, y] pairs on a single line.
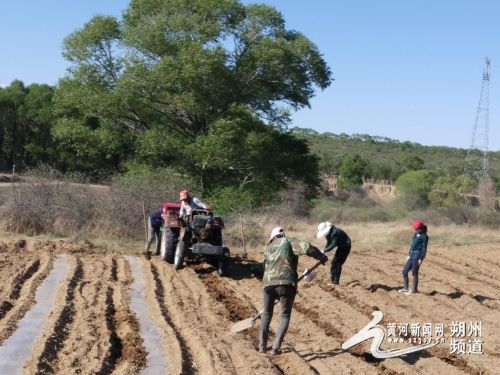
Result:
{"points": [[386, 157]]}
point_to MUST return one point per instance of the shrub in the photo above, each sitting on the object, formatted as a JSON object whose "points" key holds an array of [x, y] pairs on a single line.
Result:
{"points": [[46, 206], [449, 191], [413, 188], [229, 200], [352, 171], [487, 194]]}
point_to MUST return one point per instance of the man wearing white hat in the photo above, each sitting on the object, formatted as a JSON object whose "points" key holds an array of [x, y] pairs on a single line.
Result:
{"points": [[335, 237], [280, 282]]}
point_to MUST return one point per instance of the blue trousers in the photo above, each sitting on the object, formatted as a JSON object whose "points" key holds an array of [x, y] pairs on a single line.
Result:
{"points": [[411, 264]]}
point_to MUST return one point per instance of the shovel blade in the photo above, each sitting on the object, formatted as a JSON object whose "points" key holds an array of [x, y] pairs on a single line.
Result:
{"points": [[244, 324]]}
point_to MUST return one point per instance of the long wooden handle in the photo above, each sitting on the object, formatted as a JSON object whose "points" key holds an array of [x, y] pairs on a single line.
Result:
{"points": [[145, 225], [309, 270]]}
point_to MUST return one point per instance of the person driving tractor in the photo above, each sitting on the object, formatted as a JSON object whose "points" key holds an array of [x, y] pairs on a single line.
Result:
{"points": [[189, 203]]}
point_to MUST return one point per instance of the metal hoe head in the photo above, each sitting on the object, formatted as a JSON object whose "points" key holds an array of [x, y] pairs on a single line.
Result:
{"points": [[245, 324], [308, 275]]}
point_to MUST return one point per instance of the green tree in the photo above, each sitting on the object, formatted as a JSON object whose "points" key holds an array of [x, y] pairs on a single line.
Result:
{"points": [[26, 118], [37, 114], [175, 81], [449, 191], [11, 100], [238, 150], [412, 162], [351, 171], [413, 188]]}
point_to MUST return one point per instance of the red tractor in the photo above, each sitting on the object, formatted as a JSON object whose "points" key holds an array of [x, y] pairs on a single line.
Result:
{"points": [[198, 236]]}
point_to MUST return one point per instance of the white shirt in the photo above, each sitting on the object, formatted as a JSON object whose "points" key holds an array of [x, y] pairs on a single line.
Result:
{"points": [[192, 203]]}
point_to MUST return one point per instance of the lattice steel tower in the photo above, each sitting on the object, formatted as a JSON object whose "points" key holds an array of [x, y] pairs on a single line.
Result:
{"points": [[476, 161]]}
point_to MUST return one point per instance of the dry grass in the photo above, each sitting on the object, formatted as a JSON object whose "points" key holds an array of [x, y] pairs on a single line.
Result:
{"points": [[383, 237], [113, 217]]}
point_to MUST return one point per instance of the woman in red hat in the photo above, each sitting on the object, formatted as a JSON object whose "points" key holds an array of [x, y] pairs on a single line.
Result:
{"points": [[416, 256]]}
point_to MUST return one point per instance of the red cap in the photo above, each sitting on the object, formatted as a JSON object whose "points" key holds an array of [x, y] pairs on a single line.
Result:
{"points": [[417, 224]]}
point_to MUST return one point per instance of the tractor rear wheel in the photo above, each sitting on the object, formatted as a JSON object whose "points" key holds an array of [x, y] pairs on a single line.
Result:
{"points": [[179, 254], [169, 239]]}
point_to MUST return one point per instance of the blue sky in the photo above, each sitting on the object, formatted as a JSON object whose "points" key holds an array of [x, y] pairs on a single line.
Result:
{"points": [[404, 69]]}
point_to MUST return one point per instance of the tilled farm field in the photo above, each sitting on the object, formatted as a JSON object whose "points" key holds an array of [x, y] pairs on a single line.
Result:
{"points": [[114, 314]]}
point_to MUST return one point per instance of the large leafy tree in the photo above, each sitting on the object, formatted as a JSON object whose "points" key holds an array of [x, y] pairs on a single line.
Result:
{"points": [[203, 85]]}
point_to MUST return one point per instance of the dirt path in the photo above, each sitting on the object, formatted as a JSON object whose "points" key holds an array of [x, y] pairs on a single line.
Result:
{"points": [[93, 327]]}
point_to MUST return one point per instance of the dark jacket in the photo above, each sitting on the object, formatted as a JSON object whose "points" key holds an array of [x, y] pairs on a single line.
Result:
{"points": [[155, 217], [336, 237], [418, 248]]}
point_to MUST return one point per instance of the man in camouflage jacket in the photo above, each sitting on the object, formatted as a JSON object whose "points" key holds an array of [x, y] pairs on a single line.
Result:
{"points": [[280, 282]]}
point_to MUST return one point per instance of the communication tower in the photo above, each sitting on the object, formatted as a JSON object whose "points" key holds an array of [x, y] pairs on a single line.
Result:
{"points": [[476, 161]]}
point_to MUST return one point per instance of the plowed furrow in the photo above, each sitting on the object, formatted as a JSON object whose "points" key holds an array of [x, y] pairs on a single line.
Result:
{"points": [[204, 325], [484, 261], [366, 309], [433, 268], [13, 262], [331, 324], [347, 318], [5, 307], [464, 277], [237, 309], [484, 270], [432, 278], [291, 361], [114, 270], [55, 341], [115, 342], [186, 357], [87, 342], [19, 281], [365, 299], [22, 294], [329, 330], [17, 285], [186, 311]]}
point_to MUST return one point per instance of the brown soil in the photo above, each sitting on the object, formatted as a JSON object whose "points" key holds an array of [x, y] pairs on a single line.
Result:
{"points": [[92, 329]]}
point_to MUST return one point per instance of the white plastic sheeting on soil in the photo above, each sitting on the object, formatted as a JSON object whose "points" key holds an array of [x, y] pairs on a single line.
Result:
{"points": [[17, 349], [153, 342]]}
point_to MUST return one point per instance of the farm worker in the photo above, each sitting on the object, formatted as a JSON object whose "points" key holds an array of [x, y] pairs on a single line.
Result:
{"points": [[188, 203], [280, 282], [335, 237], [416, 256], [154, 223]]}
